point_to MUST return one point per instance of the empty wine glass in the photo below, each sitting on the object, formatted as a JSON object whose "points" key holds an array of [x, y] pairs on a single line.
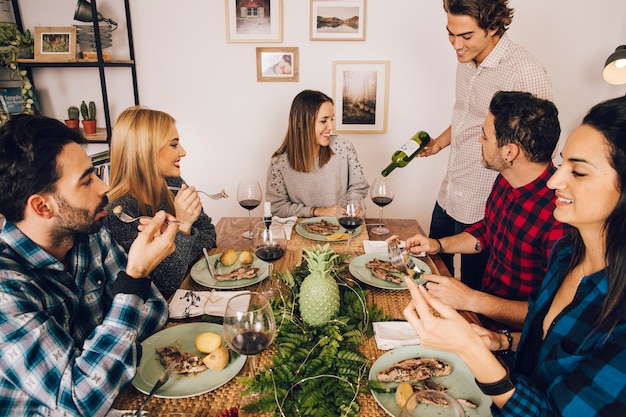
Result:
{"points": [[382, 193], [269, 243], [249, 326], [249, 196], [419, 402], [350, 215]]}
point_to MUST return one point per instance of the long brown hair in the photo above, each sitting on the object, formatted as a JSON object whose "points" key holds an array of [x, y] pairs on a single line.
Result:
{"points": [[299, 143], [138, 135]]}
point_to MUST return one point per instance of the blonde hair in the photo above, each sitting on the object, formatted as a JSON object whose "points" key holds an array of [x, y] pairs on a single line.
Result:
{"points": [[138, 135]]}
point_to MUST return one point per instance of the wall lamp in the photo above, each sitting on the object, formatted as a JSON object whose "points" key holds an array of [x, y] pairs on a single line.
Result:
{"points": [[83, 14], [615, 67]]}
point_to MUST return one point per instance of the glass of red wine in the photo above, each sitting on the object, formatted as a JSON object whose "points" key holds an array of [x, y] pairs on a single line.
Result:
{"points": [[269, 243], [382, 193], [249, 196], [249, 325], [350, 215]]}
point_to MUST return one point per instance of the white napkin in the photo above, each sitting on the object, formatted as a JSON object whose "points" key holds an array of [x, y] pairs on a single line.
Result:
{"points": [[186, 303], [393, 334], [287, 222], [371, 246]]}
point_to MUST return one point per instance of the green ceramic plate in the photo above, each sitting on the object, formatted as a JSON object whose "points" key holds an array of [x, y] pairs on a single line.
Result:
{"points": [[460, 382], [322, 238], [364, 274], [200, 273], [183, 337]]}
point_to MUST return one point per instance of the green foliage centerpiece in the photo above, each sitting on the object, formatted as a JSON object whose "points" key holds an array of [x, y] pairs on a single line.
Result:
{"points": [[317, 368]]}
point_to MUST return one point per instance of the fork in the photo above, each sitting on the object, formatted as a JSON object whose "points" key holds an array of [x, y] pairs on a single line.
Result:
{"points": [[216, 196], [397, 259], [165, 376], [128, 219]]}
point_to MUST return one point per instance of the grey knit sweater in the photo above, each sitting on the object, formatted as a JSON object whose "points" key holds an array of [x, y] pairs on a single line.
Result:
{"points": [[169, 274], [293, 193]]}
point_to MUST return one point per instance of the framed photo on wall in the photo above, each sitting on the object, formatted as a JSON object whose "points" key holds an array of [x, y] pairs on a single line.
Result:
{"points": [[55, 43], [337, 20], [277, 64], [361, 95], [254, 20]]}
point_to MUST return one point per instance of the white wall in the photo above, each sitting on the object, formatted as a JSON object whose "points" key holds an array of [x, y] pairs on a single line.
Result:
{"points": [[230, 124]]}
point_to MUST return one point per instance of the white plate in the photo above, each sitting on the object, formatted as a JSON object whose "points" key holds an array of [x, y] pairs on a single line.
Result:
{"points": [[364, 274], [200, 273], [460, 382], [314, 236], [183, 337]]}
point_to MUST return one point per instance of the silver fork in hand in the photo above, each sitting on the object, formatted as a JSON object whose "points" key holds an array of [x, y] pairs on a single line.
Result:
{"points": [[216, 196], [397, 259], [128, 219]]}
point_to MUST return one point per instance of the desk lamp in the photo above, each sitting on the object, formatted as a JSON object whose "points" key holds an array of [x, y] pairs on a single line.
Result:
{"points": [[83, 14], [615, 67]]}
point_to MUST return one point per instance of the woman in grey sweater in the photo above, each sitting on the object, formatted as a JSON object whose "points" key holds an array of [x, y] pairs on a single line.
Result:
{"points": [[312, 170], [145, 162]]}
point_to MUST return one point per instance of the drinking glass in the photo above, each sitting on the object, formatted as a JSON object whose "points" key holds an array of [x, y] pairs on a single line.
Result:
{"points": [[350, 214], [249, 196], [382, 194], [249, 326], [269, 243], [415, 405]]}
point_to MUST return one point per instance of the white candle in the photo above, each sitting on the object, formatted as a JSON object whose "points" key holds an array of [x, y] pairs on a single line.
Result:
{"points": [[267, 209]]}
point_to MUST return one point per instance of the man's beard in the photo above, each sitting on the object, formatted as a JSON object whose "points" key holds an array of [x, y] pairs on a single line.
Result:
{"points": [[74, 220]]}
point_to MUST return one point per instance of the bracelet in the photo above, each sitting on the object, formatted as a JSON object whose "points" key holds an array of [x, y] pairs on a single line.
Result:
{"points": [[440, 247], [499, 387], [509, 338], [312, 212]]}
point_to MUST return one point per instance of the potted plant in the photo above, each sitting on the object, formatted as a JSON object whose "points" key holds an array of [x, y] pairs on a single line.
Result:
{"points": [[72, 117], [89, 117]]}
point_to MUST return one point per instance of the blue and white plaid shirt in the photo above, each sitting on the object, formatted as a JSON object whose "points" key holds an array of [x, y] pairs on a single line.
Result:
{"points": [[67, 346], [576, 370]]}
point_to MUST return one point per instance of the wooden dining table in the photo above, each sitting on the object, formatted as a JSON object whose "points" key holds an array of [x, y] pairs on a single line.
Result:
{"points": [[229, 235]]}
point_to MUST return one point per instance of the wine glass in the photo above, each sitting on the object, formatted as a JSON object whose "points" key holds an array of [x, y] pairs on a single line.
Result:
{"points": [[416, 404], [269, 243], [350, 214], [382, 194], [249, 197], [249, 326]]}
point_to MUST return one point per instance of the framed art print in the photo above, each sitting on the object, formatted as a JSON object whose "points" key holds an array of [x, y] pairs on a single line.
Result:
{"points": [[337, 20], [55, 43], [277, 64], [254, 20]]}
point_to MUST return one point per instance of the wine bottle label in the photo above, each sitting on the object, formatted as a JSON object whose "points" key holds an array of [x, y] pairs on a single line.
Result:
{"points": [[410, 147]]}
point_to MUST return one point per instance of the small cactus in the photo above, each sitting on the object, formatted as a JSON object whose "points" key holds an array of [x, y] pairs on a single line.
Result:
{"points": [[72, 113], [88, 113]]}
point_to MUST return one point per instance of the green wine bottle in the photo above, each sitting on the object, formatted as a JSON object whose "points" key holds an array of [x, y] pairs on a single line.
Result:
{"points": [[407, 152]]}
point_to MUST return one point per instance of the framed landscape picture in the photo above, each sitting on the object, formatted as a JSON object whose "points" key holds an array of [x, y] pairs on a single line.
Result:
{"points": [[361, 94], [254, 20], [337, 20], [277, 64], [55, 43]]}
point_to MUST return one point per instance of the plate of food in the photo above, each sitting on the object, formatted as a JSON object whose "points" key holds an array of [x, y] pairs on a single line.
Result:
{"points": [[324, 229], [430, 369], [235, 269], [192, 377], [375, 269]]}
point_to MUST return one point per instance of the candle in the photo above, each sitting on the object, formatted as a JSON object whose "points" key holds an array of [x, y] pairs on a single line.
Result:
{"points": [[267, 209]]}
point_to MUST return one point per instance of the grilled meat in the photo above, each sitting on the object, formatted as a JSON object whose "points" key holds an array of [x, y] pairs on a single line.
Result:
{"points": [[415, 369], [185, 362], [242, 272], [322, 227]]}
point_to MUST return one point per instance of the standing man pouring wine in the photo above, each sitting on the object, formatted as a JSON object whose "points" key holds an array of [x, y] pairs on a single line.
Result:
{"points": [[487, 62]]}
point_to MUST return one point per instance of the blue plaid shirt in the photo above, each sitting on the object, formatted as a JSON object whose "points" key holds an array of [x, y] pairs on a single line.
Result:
{"points": [[577, 370], [67, 346]]}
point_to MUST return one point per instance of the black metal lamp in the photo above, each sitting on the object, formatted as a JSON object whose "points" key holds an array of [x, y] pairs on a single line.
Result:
{"points": [[83, 13], [615, 68]]}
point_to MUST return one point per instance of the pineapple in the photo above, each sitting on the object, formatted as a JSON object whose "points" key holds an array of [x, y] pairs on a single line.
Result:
{"points": [[319, 292]]}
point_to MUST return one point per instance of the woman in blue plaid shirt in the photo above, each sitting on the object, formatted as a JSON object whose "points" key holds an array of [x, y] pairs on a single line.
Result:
{"points": [[570, 357]]}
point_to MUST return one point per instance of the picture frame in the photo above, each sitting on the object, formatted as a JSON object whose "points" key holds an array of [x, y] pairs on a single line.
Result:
{"points": [[254, 20], [55, 43], [337, 20], [277, 64], [361, 95]]}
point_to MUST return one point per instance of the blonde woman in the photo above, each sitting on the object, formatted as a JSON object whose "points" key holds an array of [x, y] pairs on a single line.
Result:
{"points": [[145, 162]]}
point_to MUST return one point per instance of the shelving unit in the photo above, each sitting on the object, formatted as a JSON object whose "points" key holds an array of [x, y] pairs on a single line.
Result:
{"points": [[104, 134]]}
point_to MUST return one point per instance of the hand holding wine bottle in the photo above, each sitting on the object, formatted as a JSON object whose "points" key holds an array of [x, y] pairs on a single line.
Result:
{"points": [[407, 152]]}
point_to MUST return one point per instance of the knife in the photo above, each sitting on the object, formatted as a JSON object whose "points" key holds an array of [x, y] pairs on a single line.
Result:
{"points": [[165, 376], [208, 262]]}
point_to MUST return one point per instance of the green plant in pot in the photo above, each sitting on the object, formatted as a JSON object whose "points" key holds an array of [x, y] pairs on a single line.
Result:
{"points": [[89, 117], [72, 117]]}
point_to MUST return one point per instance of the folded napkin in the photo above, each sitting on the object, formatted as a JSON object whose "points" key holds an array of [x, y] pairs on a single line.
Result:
{"points": [[186, 303], [393, 334], [371, 246], [287, 222]]}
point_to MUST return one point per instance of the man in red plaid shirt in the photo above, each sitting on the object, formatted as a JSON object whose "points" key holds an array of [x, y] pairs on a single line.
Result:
{"points": [[519, 136]]}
